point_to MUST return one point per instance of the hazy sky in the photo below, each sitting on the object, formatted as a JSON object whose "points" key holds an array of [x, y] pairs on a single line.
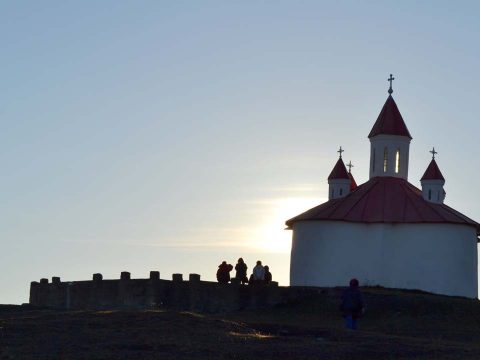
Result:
{"points": [[155, 135]]}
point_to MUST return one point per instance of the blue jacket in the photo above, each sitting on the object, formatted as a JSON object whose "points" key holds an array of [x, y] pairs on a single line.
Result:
{"points": [[352, 302]]}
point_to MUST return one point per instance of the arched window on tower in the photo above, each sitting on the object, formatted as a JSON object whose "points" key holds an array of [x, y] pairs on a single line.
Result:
{"points": [[397, 161], [341, 191], [332, 193], [429, 194], [385, 159]]}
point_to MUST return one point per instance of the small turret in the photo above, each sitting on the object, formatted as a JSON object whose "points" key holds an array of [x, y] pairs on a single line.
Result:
{"points": [[338, 180], [432, 182]]}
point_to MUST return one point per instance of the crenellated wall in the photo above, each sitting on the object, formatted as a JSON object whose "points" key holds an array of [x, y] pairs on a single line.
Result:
{"points": [[193, 295]]}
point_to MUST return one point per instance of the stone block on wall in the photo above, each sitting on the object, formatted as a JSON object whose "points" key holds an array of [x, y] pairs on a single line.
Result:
{"points": [[194, 277], [154, 275], [177, 277], [125, 275]]}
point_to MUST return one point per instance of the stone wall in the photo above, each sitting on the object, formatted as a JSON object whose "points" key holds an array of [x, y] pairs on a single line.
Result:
{"points": [[192, 295]]}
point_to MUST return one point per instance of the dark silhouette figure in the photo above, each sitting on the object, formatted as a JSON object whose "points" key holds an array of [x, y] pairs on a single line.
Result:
{"points": [[258, 274], [241, 271], [352, 304], [268, 275], [223, 272]]}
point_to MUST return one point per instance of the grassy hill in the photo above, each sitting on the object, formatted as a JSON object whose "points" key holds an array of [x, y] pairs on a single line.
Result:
{"points": [[397, 325]]}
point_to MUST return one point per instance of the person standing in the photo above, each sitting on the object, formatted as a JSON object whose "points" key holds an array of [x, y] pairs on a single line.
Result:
{"points": [[258, 274], [352, 304], [268, 275], [241, 271]]}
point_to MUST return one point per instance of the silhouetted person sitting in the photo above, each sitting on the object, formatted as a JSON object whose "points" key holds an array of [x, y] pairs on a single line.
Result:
{"points": [[352, 304], [258, 274], [268, 275], [223, 272], [241, 271]]}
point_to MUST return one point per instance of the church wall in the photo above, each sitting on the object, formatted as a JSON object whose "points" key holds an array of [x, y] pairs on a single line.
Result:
{"points": [[439, 258]]}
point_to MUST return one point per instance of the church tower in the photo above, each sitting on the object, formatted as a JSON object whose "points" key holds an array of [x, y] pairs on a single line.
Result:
{"points": [[338, 180], [432, 182], [389, 141]]}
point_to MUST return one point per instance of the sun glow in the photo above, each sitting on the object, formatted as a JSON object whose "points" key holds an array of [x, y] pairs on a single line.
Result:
{"points": [[272, 236]]}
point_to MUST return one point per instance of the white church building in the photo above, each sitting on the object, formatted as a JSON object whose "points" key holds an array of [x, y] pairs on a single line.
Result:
{"points": [[386, 231]]}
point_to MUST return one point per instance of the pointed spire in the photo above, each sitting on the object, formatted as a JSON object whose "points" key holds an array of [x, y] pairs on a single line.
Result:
{"points": [[432, 172], [389, 121], [339, 171]]}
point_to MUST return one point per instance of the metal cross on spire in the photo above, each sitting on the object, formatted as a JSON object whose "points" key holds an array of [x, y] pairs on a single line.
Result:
{"points": [[391, 78], [433, 152], [350, 165], [340, 151]]}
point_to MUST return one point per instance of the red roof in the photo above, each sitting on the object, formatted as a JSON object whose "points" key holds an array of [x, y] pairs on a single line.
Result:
{"points": [[385, 200], [389, 121], [339, 171], [353, 183], [432, 172]]}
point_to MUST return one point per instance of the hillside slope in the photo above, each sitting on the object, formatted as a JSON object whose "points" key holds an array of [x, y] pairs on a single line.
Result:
{"points": [[397, 324]]}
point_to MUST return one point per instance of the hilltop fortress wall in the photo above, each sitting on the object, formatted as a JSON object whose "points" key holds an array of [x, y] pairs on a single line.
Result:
{"points": [[193, 295]]}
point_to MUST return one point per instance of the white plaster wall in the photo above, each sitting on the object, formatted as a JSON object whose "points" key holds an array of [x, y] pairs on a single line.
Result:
{"points": [[334, 186], [439, 258], [392, 142], [436, 188]]}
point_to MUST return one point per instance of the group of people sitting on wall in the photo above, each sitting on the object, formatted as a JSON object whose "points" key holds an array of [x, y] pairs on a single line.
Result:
{"points": [[260, 274]]}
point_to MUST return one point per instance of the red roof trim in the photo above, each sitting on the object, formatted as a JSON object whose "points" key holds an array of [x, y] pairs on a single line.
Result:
{"points": [[385, 200]]}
